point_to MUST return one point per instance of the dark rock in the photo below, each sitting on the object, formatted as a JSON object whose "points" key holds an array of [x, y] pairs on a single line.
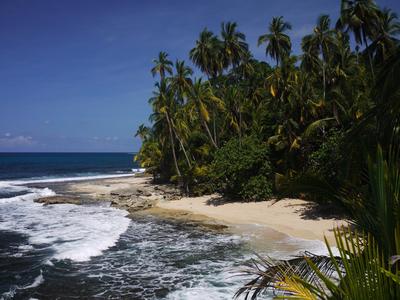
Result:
{"points": [[59, 199]]}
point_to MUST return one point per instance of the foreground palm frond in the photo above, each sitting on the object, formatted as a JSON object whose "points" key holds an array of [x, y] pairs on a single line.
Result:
{"points": [[360, 271], [268, 273]]}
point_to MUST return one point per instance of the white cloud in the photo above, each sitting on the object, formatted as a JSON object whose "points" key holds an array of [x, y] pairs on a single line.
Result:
{"points": [[105, 139], [12, 141]]}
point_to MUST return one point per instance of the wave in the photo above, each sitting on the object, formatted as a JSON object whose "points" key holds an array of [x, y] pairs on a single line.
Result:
{"points": [[31, 195], [38, 281], [70, 231], [66, 179]]}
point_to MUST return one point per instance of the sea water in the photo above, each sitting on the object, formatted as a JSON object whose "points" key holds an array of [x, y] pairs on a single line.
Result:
{"points": [[95, 251]]}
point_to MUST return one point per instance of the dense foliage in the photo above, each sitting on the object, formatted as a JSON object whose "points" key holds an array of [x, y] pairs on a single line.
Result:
{"points": [[367, 265], [301, 108], [322, 122], [241, 168]]}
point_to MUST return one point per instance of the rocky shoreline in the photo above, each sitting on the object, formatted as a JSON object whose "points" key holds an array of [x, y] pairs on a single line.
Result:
{"points": [[141, 194], [137, 195]]}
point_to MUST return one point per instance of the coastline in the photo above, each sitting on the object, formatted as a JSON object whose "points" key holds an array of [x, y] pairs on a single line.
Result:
{"points": [[291, 217]]}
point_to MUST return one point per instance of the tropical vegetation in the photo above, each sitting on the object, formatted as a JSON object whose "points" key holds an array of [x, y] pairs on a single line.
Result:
{"points": [[306, 110], [323, 123]]}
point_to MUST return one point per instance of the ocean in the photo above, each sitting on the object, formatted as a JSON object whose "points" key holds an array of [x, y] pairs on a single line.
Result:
{"points": [[95, 251]]}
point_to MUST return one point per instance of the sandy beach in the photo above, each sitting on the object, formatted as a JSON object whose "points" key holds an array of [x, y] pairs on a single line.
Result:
{"points": [[286, 216], [292, 217]]}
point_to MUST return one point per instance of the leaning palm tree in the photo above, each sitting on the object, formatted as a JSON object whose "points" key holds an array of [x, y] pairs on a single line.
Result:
{"points": [[162, 65], [163, 103], [235, 48], [201, 100], [181, 83], [278, 42], [320, 42]]}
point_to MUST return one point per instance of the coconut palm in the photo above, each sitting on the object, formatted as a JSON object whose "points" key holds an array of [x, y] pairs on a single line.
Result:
{"points": [[163, 102], [162, 65], [362, 18], [233, 100], [385, 36], [320, 42], [235, 48], [201, 99], [143, 132], [181, 81], [207, 54], [278, 42]]}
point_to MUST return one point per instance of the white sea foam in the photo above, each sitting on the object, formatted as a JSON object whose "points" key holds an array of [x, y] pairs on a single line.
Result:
{"points": [[316, 247], [38, 281], [72, 232], [66, 179], [30, 196]]}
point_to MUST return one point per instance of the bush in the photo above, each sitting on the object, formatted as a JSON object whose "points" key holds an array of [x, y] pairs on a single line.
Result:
{"points": [[326, 160], [241, 170]]}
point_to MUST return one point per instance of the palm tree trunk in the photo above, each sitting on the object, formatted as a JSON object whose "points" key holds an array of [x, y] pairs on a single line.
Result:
{"points": [[181, 144], [323, 70], [335, 112], [209, 133], [215, 128], [184, 152], [240, 126], [171, 136], [369, 55], [324, 78], [211, 79]]}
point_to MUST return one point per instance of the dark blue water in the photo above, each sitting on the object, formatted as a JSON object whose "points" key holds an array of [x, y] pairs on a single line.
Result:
{"points": [[39, 165], [94, 251]]}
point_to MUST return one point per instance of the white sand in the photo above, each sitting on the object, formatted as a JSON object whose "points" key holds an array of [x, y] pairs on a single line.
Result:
{"points": [[284, 216]]}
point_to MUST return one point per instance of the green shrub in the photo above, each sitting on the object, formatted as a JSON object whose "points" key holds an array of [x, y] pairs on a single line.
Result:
{"points": [[241, 170], [326, 160]]}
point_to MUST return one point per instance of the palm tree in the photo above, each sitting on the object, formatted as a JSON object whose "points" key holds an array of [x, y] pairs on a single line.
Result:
{"points": [[163, 102], [235, 48], [233, 100], [162, 65], [180, 85], [278, 42], [143, 132], [201, 99], [181, 81], [320, 42], [207, 54], [384, 37], [362, 18]]}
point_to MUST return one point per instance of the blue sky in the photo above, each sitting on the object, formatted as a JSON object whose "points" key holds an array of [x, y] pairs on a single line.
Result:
{"points": [[74, 75]]}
